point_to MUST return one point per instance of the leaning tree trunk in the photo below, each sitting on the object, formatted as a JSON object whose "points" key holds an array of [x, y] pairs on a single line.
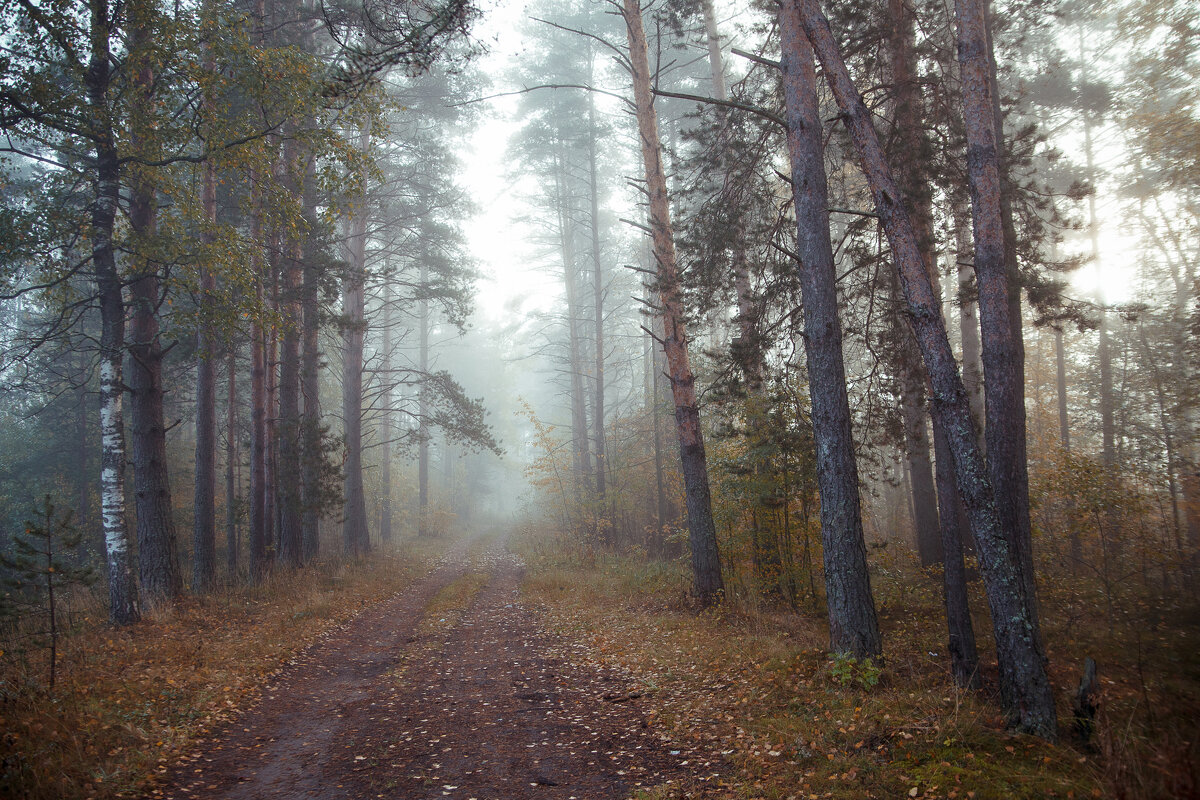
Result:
{"points": [[1026, 691], [122, 589], [853, 627], [158, 557], [706, 563]]}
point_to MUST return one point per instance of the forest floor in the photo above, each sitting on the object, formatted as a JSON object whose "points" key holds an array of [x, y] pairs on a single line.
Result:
{"points": [[452, 688]]}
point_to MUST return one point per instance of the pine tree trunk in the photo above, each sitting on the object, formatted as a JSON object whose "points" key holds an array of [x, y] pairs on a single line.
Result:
{"points": [[853, 627], [386, 432], [355, 530], [423, 434], [1005, 398], [1060, 383], [968, 293], [288, 450], [311, 457], [909, 139], [122, 589], [231, 461], [158, 556], [582, 483], [259, 520], [605, 534], [1026, 691], [706, 563], [204, 527]]}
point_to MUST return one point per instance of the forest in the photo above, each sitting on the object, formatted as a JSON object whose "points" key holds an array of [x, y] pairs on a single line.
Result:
{"points": [[599, 399]]}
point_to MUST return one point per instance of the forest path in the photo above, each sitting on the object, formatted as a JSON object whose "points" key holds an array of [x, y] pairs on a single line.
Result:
{"points": [[450, 689]]}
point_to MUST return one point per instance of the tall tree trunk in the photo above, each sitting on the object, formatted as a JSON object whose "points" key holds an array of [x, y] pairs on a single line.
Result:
{"points": [[1060, 384], [259, 520], [598, 312], [386, 431], [853, 627], [355, 531], [996, 271], [1026, 691], [423, 434], [909, 139], [706, 563], [158, 556], [231, 461], [582, 483], [968, 306], [122, 590], [311, 456], [204, 527], [288, 450]]}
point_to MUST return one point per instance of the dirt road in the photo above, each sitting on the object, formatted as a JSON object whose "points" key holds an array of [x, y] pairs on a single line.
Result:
{"points": [[451, 689]]}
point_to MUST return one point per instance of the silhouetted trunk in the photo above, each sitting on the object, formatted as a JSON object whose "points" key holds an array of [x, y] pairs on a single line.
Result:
{"points": [[999, 283], [158, 556], [355, 532], [204, 524], [706, 564], [122, 590], [1026, 691], [231, 462], [259, 519], [582, 457], [386, 432], [853, 627], [598, 309], [287, 439], [423, 434], [1060, 383], [972, 358], [909, 139], [311, 457]]}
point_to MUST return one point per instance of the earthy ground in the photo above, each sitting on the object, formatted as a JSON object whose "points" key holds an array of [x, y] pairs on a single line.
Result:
{"points": [[450, 689]]}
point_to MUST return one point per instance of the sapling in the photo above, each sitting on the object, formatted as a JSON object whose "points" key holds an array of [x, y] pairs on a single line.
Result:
{"points": [[36, 573]]}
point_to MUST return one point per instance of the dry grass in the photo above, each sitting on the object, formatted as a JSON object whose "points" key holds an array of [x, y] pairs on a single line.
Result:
{"points": [[758, 687], [130, 700]]}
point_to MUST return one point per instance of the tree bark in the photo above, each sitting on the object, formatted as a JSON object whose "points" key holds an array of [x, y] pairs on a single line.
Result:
{"points": [[423, 435], [598, 309], [231, 462], [1026, 691], [386, 431], [204, 527], [706, 563], [909, 139], [289, 452], [999, 291], [122, 590], [853, 626], [972, 358], [355, 531], [158, 556], [311, 455]]}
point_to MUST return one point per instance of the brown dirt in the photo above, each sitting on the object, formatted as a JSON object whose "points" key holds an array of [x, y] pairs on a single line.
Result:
{"points": [[479, 703]]}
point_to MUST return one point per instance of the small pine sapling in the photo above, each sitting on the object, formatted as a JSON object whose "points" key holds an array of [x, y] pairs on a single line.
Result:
{"points": [[35, 573]]}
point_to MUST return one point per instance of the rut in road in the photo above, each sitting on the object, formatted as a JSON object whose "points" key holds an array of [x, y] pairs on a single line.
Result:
{"points": [[406, 701]]}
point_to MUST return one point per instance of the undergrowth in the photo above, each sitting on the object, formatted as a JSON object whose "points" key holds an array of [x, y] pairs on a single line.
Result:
{"points": [[130, 700], [757, 687]]}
